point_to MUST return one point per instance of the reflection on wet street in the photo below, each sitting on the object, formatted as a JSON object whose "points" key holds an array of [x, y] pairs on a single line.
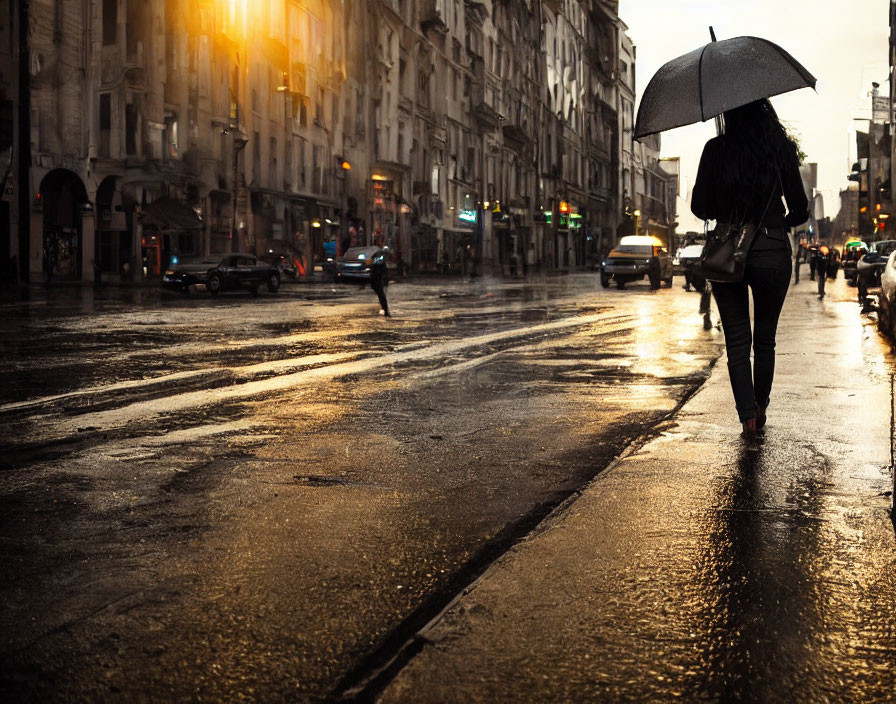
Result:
{"points": [[208, 498], [194, 484], [704, 566]]}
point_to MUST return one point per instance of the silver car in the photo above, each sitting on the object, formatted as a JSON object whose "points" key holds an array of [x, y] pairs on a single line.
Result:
{"points": [[886, 299], [356, 262]]}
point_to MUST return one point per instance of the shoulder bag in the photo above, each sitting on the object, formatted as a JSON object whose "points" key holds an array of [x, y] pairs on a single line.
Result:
{"points": [[724, 256]]}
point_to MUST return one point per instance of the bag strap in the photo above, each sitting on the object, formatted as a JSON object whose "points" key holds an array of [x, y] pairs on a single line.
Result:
{"points": [[743, 230], [770, 197]]}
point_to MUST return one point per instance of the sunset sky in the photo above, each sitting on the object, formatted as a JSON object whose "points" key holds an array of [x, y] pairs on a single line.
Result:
{"points": [[843, 44]]}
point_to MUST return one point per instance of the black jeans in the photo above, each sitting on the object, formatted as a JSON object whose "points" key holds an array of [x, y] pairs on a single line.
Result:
{"points": [[768, 278], [378, 284]]}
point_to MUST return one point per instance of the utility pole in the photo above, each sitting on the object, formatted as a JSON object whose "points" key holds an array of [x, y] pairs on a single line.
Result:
{"points": [[239, 143], [23, 145]]}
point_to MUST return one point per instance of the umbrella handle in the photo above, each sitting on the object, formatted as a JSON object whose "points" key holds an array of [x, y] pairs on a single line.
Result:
{"points": [[712, 33]]}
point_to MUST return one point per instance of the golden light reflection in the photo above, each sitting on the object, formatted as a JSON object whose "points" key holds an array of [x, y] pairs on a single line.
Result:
{"points": [[302, 33], [649, 338], [650, 358], [234, 18]]}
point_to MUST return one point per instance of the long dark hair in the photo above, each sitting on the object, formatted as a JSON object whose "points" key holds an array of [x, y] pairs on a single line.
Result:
{"points": [[757, 146]]}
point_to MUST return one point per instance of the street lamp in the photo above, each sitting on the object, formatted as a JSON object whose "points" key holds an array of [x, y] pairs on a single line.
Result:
{"points": [[343, 219], [239, 143]]}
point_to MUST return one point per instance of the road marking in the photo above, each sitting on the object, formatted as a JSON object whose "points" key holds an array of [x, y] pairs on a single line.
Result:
{"points": [[478, 361], [145, 410], [244, 371]]}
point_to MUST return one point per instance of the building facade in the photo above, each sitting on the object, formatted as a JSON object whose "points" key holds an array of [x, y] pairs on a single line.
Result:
{"points": [[648, 185], [478, 137]]}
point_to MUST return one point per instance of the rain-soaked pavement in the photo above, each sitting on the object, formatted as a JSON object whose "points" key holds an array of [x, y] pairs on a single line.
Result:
{"points": [[268, 499], [701, 566]]}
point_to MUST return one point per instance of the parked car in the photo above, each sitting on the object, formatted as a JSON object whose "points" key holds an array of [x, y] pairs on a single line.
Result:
{"points": [[242, 271], [188, 273], [355, 263], [232, 272], [871, 266], [633, 259], [886, 299]]}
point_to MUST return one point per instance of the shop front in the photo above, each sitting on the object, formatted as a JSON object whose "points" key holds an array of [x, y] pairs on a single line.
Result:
{"points": [[171, 228], [60, 211], [577, 236], [220, 222], [455, 247], [384, 214], [506, 256], [390, 217], [113, 236], [328, 227], [600, 224], [526, 247]]}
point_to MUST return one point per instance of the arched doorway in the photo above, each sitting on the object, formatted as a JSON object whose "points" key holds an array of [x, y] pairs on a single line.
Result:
{"points": [[62, 196]]}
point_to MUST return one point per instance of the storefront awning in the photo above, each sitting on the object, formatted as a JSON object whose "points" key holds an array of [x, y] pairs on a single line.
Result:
{"points": [[170, 214]]}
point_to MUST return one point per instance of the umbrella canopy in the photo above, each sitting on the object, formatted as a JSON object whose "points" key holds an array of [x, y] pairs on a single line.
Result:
{"points": [[855, 243], [717, 77]]}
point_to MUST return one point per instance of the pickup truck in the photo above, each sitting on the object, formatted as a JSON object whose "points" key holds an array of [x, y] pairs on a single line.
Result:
{"points": [[633, 259]]}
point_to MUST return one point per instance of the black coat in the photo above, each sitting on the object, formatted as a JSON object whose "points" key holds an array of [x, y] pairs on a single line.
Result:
{"points": [[710, 201]]}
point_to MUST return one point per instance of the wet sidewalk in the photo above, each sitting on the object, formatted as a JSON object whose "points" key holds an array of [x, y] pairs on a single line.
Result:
{"points": [[703, 567]]}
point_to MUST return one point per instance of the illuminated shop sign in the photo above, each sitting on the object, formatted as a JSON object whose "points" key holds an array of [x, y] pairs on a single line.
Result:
{"points": [[467, 216]]}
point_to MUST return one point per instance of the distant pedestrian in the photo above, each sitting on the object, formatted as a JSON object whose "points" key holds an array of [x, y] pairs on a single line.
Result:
{"points": [[797, 262], [739, 170], [379, 279], [821, 268], [864, 281]]}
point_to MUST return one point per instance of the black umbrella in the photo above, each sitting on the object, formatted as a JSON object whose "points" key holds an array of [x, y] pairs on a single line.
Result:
{"points": [[714, 78]]}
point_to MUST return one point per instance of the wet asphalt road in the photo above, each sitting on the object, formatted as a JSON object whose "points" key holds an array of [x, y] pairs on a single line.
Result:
{"points": [[702, 566], [261, 499]]}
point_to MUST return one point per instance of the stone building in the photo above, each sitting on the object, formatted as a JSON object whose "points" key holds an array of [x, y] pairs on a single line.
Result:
{"points": [[626, 110], [846, 223], [648, 184], [489, 136]]}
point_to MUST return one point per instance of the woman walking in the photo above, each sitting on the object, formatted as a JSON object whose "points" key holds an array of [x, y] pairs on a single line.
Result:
{"points": [[742, 176]]}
